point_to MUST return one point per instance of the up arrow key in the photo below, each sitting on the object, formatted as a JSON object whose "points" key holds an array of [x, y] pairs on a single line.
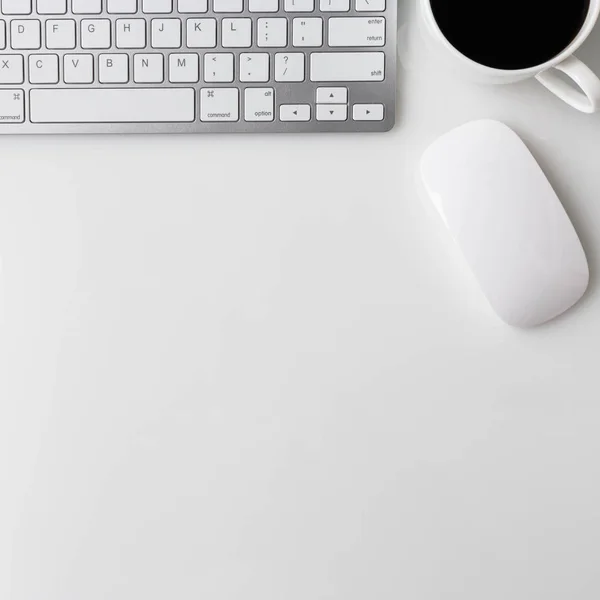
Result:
{"points": [[332, 95]]}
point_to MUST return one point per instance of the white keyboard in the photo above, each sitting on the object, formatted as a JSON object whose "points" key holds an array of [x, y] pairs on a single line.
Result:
{"points": [[192, 66]]}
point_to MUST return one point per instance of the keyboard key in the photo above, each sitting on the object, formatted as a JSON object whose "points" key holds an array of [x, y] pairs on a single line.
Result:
{"points": [[294, 112], [12, 107], [157, 6], [148, 68], [332, 112], [347, 66], [125, 105], [60, 34], [236, 33], [184, 68], [254, 67], [272, 33], [16, 7], [11, 68], [131, 33], [367, 112], [122, 7], [193, 6], [52, 7], [166, 33], [332, 95], [289, 66], [299, 5], [43, 68], [25, 35], [95, 34], [78, 68], [370, 5], [308, 32], [219, 104], [228, 6], [335, 5], [259, 104], [264, 6], [2, 35], [87, 7], [356, 31], [113, 68], [201, 33], [218, 68]]}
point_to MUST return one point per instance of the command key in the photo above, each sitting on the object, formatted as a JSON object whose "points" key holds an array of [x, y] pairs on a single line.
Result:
{"points": [[12, 106]]}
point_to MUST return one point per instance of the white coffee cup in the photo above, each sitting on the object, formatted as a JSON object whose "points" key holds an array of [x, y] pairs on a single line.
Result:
{"points": [[585, 97]]}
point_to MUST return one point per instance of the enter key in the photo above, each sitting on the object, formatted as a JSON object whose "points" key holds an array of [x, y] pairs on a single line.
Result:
{"points": [[356, 31]]}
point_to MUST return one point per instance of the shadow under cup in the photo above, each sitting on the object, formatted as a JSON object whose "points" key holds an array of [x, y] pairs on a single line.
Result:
{"points": [[510, 34]]}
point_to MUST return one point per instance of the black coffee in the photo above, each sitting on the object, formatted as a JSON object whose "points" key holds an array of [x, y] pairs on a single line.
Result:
{"points": [[510, 34]]}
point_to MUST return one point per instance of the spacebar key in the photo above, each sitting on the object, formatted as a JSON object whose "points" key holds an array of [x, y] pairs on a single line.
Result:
{"points": [[141, 105]]}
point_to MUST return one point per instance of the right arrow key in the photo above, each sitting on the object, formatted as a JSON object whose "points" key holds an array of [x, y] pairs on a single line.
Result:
{"points": [[367, 112]]}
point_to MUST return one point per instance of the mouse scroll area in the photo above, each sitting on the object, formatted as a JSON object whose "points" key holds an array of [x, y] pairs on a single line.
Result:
{"points": [[508, 222]]}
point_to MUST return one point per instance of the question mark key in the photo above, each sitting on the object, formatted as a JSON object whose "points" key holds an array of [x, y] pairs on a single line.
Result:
{"points": [[289, 66]]}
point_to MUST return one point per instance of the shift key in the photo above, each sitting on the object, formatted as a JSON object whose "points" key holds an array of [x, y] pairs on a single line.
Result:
{"points": [[347, 66], [12, 106]]}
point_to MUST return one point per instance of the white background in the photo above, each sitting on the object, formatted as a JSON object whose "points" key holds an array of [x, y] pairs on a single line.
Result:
{"points": [[255, 368]]}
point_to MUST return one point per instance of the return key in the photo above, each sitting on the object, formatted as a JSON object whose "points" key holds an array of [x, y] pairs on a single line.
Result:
{"points": [[356, 31]]}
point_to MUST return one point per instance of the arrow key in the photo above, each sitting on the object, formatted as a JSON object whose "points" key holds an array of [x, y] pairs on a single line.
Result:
{"points": [[367, 112], [332, 95], [332, 112], [294, 112]]}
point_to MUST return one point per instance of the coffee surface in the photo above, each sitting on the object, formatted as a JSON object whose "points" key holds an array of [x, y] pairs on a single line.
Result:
{"points": [[510, 34]]}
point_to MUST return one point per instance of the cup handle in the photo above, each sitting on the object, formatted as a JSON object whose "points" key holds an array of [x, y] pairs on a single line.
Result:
{"points": [[587, 99]]}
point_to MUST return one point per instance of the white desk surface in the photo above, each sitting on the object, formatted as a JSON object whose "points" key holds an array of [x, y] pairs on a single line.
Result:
{"points": [[255, 368]]}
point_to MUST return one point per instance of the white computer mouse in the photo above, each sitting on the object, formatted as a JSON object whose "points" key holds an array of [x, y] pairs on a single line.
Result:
{"points": [[508, 221]]}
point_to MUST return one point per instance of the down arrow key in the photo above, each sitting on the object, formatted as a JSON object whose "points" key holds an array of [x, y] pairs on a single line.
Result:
{"points": [[332, 112]]}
